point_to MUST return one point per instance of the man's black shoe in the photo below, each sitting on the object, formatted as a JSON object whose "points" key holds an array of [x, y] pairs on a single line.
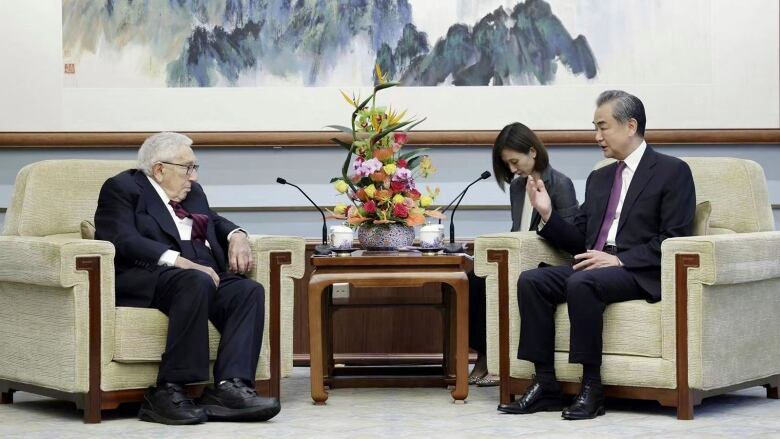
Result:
{"points": [[588, 404], [169, 404], [233, 400], [538, 397]]}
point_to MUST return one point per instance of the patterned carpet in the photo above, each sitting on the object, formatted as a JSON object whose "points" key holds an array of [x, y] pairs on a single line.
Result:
{"points": [[428, 412]]}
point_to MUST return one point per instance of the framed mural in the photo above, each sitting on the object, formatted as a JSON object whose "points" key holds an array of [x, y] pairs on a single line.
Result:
{"points": [[278, 65]]}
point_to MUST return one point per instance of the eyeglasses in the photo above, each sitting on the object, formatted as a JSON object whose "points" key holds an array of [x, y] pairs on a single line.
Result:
{"points": [[190, 168]]}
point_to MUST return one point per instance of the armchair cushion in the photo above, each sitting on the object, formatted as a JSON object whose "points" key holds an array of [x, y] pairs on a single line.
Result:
{"points": [[87, 230]]}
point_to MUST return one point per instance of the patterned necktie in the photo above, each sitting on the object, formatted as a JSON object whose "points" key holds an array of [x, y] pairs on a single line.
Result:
{"points": [[609, 215], [199, 221]]}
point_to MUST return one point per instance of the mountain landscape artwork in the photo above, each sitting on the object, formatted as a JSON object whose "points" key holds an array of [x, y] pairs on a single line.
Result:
{"points": [[250, 43]]}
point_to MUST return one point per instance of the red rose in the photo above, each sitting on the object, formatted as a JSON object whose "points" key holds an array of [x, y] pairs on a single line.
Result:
{"points": [[397, 186], [400, 137], [401, 163], [400, 210], [369, 206], [414, 194]]}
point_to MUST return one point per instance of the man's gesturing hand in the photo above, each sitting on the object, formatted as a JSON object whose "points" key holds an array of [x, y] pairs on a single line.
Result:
{"points": [[538, 197]]}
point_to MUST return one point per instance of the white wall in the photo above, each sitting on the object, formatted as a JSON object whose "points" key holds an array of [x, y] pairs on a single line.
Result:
{"points": [[733, 50]]}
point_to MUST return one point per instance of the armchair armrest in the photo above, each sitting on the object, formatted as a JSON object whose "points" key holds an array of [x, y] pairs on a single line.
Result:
{"points": [[726, 289], [524, 251], [48, 261], [63, 288], [263, 246]]}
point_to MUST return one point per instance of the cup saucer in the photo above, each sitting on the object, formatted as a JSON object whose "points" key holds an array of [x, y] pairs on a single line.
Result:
{"points": [[343, 251]]}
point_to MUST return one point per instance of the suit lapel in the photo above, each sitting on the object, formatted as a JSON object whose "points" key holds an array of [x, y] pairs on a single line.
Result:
{"points": [[641, 177], [155, 207]]}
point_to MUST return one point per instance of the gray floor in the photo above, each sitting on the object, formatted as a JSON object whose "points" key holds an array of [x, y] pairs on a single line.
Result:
{"points": [[407, 413]]}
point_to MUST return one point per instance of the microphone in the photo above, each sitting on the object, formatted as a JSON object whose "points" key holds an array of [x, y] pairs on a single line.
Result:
{"points": [[319, 249], [452, 246]]}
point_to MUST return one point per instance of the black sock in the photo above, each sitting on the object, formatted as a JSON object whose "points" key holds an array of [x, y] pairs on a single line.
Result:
{"points": [[591, 373], [545, 373]]}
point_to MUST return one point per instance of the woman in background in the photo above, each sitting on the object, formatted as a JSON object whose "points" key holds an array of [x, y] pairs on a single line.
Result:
{"points": [[517, 155]]}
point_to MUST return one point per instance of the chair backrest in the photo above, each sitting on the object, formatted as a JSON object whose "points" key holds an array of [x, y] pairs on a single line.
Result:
{"points": [[737, 192], [52, 197]]}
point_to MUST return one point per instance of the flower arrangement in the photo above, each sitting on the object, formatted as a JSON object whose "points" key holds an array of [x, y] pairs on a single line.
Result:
{"points": [[381, 180]]}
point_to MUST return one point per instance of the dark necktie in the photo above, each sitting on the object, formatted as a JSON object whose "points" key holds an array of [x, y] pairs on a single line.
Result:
{"points": [[199, 221], [609, 215]]}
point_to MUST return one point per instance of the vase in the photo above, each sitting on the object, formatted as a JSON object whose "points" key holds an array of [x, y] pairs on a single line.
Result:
{"points": [[385, 236]]}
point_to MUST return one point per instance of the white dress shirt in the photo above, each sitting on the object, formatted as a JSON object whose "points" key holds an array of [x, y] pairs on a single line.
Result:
{"points": [[183, 225], [525, 218], [632, 161]]}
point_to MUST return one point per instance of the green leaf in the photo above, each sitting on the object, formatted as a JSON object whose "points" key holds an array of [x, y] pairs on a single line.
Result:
{"points": [[407, 156], [341, 128], [347, 146], [388, 130], [415, 124], [335, 179], [413, 162], [385, 85]]}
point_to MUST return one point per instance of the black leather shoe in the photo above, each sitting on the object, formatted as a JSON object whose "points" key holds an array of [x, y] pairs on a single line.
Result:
{"points": [[169, 404], [233, 400], [537, 398], [587, 405]]}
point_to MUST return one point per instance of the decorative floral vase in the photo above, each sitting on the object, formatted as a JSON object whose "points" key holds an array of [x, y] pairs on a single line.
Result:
{"points": [[385, 236]]}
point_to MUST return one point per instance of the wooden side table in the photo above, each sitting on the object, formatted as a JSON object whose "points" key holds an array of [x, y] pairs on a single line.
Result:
{"points": [[388, 269]]}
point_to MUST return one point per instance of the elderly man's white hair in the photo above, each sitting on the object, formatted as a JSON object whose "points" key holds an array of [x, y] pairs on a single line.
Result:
{"points": [[161, 147]]}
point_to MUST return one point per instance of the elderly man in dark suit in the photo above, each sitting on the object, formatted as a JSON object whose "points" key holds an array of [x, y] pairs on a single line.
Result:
{"points": [[630, 207], [175, 254]]}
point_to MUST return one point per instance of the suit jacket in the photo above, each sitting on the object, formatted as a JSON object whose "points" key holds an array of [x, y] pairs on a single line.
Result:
{"points": [[131, 215], [562, 194], [660, 204]]}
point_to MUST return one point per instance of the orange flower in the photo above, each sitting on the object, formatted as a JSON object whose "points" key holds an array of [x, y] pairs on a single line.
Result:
{"points": [[383, 154], [361, 194], [383, 195], [378, 176], [415, 219]]}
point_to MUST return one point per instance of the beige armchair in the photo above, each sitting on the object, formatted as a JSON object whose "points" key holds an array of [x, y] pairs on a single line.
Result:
{"points": [[61, 334], [716, 328]]}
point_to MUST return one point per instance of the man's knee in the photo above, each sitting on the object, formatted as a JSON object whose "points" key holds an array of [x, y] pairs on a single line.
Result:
{"points": [[252, 292], [529, 281]]}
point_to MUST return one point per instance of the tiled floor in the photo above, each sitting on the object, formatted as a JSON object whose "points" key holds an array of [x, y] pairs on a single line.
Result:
{"points": [[367, 413]]}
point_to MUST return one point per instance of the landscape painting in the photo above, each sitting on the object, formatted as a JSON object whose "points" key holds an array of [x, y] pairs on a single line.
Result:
{"points": [[251, 43]]}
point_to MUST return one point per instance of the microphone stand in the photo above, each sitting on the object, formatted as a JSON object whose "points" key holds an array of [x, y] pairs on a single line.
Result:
{"points": [[452, 246], [319, 249]]}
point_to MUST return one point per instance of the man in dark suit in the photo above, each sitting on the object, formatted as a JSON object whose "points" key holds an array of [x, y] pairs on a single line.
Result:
{"points": [[171, 255], [630, 207]]}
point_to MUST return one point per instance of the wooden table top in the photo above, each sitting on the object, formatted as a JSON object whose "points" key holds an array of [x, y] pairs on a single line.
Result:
{"points": [[363, 258]]}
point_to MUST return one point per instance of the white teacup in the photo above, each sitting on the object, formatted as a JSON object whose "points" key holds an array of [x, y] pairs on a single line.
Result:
{"points": [[340, 237], [431, 235]]}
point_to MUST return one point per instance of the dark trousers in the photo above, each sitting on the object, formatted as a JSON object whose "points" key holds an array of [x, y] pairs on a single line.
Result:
{"points": [[477, 310], [190, 300], [587, 294]]}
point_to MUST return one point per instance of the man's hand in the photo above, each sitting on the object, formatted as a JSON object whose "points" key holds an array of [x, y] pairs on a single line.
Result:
{"points": [[240, 258], [595, 259], [539, 198], [186, 264]]}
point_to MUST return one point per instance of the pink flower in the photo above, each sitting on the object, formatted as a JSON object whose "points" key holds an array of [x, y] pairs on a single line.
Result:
{"points": [[401, 163], [402, 174], [369, 206], [400, 210], [400, 137]]}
